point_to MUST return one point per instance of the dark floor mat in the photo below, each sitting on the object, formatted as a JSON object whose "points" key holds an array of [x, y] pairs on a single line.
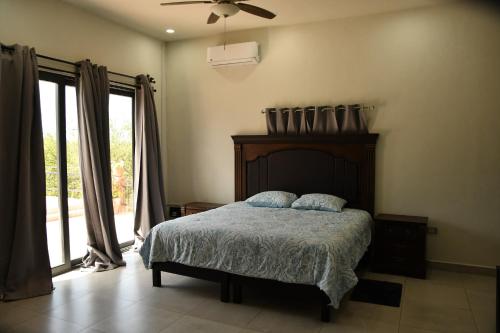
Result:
{"points": [[377, 292]]}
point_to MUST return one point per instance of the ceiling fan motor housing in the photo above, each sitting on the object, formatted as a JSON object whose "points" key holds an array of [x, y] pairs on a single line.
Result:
{"points": [[225, 9]]}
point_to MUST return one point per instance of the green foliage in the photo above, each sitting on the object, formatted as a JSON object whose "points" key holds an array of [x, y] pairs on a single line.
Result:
{"points": [[51, 174], [121, 156]]}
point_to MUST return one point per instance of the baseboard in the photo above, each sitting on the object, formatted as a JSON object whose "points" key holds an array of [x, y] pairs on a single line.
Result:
{"points": [[461, 268]]}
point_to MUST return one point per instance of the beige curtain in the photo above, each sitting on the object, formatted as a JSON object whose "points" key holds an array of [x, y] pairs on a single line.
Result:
{"points": [[271, 121], [292, 127], [281, 121], [95, 163], [332, 126], [354, 121], [149, 196], [24, 258], [321, 120]]}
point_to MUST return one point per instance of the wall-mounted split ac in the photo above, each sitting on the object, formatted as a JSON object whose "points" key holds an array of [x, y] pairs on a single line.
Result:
{"points": [[233, 55]]}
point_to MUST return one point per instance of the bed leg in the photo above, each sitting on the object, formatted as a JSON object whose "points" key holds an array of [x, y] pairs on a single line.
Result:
{"points": [[325, 308], [156, 277], [224, 288], [237, 293]]}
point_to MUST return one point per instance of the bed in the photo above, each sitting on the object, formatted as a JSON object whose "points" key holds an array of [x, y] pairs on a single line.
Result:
{"points": [[238, 244]]}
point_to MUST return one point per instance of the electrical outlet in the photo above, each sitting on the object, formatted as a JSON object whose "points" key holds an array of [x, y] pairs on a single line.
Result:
{"points": [[432, 230]]}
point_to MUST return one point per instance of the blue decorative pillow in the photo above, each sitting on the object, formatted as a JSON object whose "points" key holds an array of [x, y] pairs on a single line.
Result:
{"points": [[272, 199], [316, 201]]}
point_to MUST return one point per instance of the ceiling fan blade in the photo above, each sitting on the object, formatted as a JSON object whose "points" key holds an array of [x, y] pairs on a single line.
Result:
{"points": [[256, 10], [183, 3], [212, 18]]}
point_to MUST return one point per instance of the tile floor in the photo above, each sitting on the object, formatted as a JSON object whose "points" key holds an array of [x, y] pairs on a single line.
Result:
{"points": [[124, 300]]}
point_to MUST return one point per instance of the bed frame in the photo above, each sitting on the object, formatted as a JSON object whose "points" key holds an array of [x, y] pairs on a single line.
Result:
{"points": [[343, 165]]}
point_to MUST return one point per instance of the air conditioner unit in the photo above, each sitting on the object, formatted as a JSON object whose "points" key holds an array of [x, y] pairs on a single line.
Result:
{"points": [[233, 55]]}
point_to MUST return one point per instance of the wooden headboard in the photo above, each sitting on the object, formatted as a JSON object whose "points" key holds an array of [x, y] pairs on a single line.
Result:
{"points": [[343, 165]]}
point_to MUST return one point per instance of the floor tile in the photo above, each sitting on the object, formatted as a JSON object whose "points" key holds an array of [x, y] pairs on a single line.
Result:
{"points": [[130, 289], [426, 293], [4, 306], [478, 282], [409, 329], [359, 326], [85, 283], [45, 324], [138, 318], [437, 318], [89, 309], [483, 305], [12, 315], [287, 319], [173, 300], [188, 324], [59, 296], [181, 294], [447, 278], [352, 311], [91, 330], [363, 317], [228, 313]]}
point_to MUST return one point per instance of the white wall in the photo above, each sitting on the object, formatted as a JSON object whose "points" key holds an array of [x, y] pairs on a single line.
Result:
{"points": [[60, 30], [434, 74]]}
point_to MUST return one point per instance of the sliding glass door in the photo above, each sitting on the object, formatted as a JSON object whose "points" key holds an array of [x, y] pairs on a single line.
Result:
{"points": [[121, 106], [66, 224], [49, 97]]}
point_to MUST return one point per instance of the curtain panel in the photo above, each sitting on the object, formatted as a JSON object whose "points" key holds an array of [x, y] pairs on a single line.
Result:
{"points": [[24, 257], [149, 196], [103, 249], [316, 120]]}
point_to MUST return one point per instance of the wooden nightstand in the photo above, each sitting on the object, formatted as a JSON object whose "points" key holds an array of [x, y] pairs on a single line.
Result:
{"points": [[198, 207], [399, 245]]}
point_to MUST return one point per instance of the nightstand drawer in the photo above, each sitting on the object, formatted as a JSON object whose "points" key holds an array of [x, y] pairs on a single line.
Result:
{"points": [[399, 245], [400, 231], [408, 250]]}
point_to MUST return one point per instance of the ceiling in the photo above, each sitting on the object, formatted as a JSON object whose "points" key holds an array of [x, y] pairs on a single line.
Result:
{"points": [[189, 21]]}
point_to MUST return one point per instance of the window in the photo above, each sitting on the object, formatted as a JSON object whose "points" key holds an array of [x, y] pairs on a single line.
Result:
{"points": [[121, 106], [66, 225]]}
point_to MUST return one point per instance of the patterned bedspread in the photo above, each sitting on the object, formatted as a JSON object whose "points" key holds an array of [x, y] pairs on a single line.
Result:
{"points": [[284, 244]]}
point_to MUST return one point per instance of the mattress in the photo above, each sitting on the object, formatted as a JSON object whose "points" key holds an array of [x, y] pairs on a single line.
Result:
{"points": [[284, 244]]}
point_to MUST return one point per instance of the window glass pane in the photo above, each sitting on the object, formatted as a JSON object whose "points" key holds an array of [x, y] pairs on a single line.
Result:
{"points": [[76, 212], [121, 142], [48, 103]]}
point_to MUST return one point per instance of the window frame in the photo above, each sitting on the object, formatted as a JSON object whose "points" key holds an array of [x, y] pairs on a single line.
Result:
{"points": [[62, 81]]}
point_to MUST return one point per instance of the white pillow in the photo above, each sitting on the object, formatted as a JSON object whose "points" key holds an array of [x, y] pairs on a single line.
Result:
{"points": [[272, 199], [318, 201]]}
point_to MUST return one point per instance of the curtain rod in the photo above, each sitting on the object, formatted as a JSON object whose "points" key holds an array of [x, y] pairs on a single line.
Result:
{"points": [[312, 108], [76, 74], [151, 79]]}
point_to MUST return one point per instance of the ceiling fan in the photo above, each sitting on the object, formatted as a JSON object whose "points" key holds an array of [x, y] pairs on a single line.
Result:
{"points": [[226, 8]]}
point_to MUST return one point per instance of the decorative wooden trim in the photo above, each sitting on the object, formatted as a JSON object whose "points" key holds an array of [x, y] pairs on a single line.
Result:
{"points": [[370, 190], [340, 139], [237, 169]]}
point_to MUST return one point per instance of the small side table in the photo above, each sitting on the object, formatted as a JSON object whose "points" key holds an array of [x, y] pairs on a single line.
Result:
{"points": [[399, 245], [198, 207]]}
